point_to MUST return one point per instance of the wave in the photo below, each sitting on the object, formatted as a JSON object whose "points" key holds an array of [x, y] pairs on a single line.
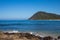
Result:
{"points": [[22, 24], [8, 24]]}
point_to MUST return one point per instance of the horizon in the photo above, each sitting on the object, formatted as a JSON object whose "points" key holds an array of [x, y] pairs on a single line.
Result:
{"points": [[24, 9]]}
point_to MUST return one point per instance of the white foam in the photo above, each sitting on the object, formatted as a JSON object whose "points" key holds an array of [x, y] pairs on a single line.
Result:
{"points": [[13, 31], [31, 32]]}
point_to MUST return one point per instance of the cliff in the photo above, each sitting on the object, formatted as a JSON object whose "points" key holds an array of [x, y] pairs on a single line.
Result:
{"points": [[44, 15]]}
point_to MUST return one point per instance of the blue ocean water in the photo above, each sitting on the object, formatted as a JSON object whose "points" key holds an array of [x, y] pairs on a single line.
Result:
{"points": [[30, 25]]}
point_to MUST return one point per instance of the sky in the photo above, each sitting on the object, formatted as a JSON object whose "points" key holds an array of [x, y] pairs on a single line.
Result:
{"points": [[24, 9]]}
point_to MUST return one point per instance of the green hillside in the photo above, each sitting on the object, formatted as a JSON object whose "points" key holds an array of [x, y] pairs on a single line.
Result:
{"points": [[44, 15]]}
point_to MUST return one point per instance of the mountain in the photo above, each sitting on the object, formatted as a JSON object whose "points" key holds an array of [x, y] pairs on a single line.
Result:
{"points": [[44, 16]]}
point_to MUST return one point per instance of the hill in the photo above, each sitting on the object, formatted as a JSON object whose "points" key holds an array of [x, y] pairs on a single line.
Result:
{"points": [[44, 16]]}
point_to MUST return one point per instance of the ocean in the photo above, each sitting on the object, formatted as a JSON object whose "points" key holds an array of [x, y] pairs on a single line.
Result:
{"points": [[51, 26]]}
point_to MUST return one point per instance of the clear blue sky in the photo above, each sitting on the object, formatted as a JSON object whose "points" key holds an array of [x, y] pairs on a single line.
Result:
{"points": [[23, 9]]}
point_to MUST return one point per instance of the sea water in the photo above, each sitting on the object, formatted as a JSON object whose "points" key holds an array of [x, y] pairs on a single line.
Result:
{"points": [[51, 26]]}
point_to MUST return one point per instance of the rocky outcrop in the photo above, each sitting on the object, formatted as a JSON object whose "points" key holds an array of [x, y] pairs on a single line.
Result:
{"points": [[18, 36], [44, 15], [24, 36], [48, 38]]}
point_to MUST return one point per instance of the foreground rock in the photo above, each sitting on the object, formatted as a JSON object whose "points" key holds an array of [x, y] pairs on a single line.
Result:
{"points": [[18, 36], [23, 36], [58, 37]]}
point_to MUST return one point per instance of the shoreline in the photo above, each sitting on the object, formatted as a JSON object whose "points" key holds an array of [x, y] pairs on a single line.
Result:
{"points": [[41, 34], [25, 35]]}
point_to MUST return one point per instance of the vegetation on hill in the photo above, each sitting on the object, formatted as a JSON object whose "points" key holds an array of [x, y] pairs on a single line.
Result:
{"points": [[44, 15]]}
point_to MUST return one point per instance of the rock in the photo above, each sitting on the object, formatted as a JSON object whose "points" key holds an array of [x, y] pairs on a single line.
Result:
{"points": [[24, 36], [48, 38], [58, 37], [55, 39], [18, 36]]}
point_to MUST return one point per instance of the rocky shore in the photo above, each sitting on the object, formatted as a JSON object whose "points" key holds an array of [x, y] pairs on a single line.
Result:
{"points": [[24, 36]]}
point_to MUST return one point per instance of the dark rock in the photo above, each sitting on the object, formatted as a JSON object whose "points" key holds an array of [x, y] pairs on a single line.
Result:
{"points": [[55, 39], [48, 38], [58, 37]]}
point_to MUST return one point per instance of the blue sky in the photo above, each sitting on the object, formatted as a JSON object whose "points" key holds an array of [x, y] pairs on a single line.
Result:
{"points": [[23, 9]]}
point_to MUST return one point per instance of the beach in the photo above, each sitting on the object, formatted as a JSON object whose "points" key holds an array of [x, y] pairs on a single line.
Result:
{"points": [[16, 35]]}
